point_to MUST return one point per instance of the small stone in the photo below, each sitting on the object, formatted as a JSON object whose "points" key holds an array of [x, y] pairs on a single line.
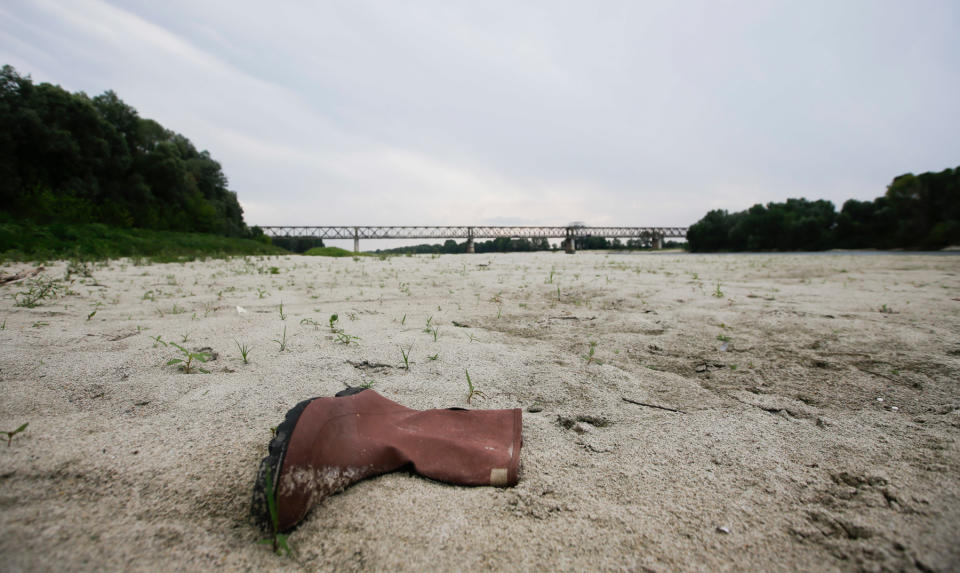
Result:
{"points": [[535, 408], [702, 368], [581, 428], [723, 530], [894, 408], [879, 399]]}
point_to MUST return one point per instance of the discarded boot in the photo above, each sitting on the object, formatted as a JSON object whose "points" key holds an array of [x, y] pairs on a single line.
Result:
{"points": [[327, 444]]}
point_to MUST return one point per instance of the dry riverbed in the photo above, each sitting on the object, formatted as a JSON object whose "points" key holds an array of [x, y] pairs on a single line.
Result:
{"points": [[681, 412]]}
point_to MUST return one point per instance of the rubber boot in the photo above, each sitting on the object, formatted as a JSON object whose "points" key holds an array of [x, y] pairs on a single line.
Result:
{"points": [[327, 444]]}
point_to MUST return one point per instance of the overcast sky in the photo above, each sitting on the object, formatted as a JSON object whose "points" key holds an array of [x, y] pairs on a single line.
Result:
{"points": [[612, 113]]}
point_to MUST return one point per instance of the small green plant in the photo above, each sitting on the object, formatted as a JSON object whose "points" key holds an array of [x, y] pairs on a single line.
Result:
{"points": [[283, 340], [723, 337], [79, 267], [274, 270], [92, 314], [4, 325], [10, 435], [499, 311], [590, 354], [158, 339], [186, 363], [406, 357], [311, 322], [261, 293], [333, 322], [38, 289], [471, 391], [282, 316], [472, 337], [434, 357], [558, 293], [244, 351], [277, 540], [184, 337], [403, 320], [717, 292], [436, 332], [885, 309], [344, 338]]}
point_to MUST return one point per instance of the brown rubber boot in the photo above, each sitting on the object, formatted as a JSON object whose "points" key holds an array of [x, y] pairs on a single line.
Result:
{"points": [[326, 444]]}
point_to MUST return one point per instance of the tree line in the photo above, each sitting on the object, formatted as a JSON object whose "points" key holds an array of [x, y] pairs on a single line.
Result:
{"points": [[916, 212], [69, 158], [509, 245]]}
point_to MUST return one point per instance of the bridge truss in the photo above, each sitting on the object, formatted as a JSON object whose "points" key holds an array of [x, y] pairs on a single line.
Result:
{"points": [[654, 234]]}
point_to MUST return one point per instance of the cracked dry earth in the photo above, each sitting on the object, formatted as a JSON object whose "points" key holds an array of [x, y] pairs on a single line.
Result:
{"points": [[681, 412]]}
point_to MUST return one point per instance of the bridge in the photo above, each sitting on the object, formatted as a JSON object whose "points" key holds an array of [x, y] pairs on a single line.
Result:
{"points": [[653, 234]]}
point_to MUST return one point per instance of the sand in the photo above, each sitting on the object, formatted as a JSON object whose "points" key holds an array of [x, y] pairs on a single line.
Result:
{"points": [[798, 412]]}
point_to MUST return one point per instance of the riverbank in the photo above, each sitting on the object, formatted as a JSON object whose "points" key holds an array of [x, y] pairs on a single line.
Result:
{"points": [[751, 412]]}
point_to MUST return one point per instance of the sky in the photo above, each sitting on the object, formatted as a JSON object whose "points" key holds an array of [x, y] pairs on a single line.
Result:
{"points": [[520, 113]]}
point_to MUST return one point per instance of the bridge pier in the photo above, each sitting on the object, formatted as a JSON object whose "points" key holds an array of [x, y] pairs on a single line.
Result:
{"points": [[568, 245], [470, 248], [657, 242], [356, 240]]}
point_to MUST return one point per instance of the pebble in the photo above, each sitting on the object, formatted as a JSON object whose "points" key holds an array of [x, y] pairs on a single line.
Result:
{"points": [[723, 530], [534, 409]]}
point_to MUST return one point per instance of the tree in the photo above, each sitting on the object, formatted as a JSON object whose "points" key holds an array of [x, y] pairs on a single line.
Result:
{"points": [[72, 159]]}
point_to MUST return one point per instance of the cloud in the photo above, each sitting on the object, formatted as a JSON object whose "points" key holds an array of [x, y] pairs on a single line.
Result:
{"points": [[545, 112]]}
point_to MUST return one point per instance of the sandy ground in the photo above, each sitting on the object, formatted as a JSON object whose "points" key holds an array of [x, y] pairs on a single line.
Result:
{"points": [[817, 425]]}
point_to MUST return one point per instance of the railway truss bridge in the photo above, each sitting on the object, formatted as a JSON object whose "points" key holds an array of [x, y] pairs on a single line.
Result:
{"points": [[654, 235]]}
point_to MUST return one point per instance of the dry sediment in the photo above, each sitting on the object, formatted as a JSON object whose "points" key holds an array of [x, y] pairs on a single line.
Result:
{"points": [[750, 412]]}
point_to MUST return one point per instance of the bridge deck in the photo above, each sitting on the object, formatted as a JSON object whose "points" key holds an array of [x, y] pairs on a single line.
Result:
{"points": [[468, 232]]}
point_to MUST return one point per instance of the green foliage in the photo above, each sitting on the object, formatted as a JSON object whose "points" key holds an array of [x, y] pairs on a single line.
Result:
{"points": [[797, 225], [186, 363], [26, 241], [333, 252], [471, 391], [13, 433], [244, 351], [344, 338], [590, 357], [501, 245], [282, 341], [278, 540], [297, 244], [406, 357], [71, 159], [916, 212], [38, 290]]}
